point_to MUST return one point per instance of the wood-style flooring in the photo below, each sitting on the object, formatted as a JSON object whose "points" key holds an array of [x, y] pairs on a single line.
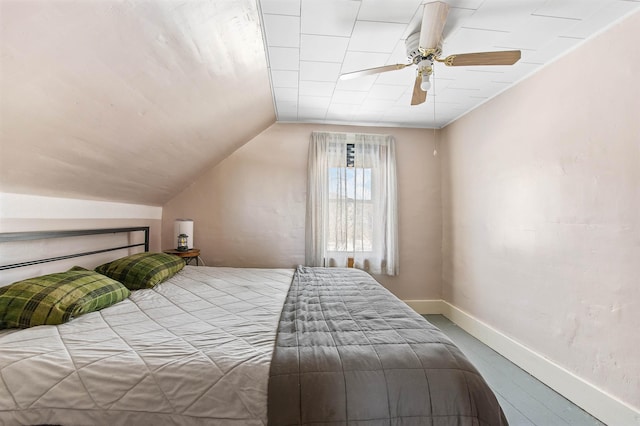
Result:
{"points": [[525, 400]]}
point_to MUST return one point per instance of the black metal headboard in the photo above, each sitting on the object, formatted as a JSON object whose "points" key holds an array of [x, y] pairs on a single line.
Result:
{"points": [[41, 235]]}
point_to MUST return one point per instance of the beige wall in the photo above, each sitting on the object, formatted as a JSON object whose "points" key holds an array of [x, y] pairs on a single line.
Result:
{"points": [[249, 210], [541, 198]]}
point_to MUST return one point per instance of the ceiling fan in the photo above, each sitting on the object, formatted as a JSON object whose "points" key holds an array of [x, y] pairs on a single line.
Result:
{"points": [[425, 47]]}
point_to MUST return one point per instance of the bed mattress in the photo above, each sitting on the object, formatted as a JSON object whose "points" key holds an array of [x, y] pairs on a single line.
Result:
{"points": [[193, 350]]}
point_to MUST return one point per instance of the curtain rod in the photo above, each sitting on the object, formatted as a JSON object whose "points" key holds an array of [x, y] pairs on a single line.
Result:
{"points": [[349, 133]]}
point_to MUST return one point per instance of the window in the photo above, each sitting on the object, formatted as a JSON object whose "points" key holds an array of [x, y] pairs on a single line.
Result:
{"points": [[350, 210], [351, 202]]}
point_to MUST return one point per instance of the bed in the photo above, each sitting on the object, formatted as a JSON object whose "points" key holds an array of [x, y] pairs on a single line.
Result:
{"points": [[234, 346]]}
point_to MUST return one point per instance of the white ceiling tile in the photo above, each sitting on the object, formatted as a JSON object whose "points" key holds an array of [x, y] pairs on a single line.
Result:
{"points": [[404, 101], [445, 108], [357, 84], [473, 80], [424, 110], [443, 71], [604, 16], [341, 112], [375, 36], [480, 74], [376, 105], [550, 51], [380, 91], [492, 87], [417, 120], [455, 19], [312, 114], [346, 97], [319, 71], [466, 4], [323, 48], [537, 31], [285, 94], [386, 11], [329, 17], [457, 95], [314, 102], [316, 88], [282, 31], [284, 58], [403, 77], [469, 40], [576, 9], [440, 83], [284, 78], [369, 117], [281, 7], [421, 117], [399, 54], [517, 72], [502, 15], [343, 108], [396, 114], [414, 23], [355, 61], [286, 107]]}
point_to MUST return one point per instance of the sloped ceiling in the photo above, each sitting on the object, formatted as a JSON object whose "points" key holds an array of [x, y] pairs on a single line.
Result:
{"points": [[126, 100]]}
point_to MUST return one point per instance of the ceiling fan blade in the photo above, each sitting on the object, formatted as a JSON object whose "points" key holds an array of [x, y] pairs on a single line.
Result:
{"points": [[369, 71], [419, 95], [508, 57], [433, 21]]}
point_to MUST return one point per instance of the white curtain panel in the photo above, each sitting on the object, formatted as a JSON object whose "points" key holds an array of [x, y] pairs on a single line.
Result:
{"points": [[352, 208]]}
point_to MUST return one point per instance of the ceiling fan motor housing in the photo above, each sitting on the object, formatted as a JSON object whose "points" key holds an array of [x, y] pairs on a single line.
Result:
{"points": [[424, 63], [415, 54], [413, 50]]}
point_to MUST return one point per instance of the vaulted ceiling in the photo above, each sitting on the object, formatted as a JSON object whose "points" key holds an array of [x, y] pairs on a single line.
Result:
{"points": [[132, 100]]}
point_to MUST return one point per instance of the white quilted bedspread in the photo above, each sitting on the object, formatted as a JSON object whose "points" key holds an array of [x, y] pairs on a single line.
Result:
{"points": [[193, 350]]}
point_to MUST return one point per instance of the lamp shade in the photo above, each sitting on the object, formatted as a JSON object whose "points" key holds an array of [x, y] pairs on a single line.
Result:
{"points": [[183, 226]]}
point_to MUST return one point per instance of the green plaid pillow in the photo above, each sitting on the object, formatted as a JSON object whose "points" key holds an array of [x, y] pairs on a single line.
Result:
{"points": [[57, 298], [142, 270]]}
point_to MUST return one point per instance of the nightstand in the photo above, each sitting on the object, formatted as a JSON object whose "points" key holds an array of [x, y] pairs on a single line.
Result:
{"points": [[188, 255]]}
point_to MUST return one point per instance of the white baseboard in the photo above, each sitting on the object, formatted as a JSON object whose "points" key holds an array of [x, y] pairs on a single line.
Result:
{"points": [[427, 307], [595, 401]]}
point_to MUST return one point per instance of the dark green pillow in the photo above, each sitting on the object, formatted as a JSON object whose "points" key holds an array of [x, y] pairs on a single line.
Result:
{"points": [[78, 268], [56, 298], [142, 270]]}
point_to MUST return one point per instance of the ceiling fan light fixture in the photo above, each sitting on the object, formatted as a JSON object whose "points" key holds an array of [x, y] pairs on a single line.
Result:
{"points": [[426, 84], [425, 68]]}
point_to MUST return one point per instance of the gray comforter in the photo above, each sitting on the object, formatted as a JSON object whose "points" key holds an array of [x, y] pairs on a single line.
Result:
{"points": [[349, 352]]}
